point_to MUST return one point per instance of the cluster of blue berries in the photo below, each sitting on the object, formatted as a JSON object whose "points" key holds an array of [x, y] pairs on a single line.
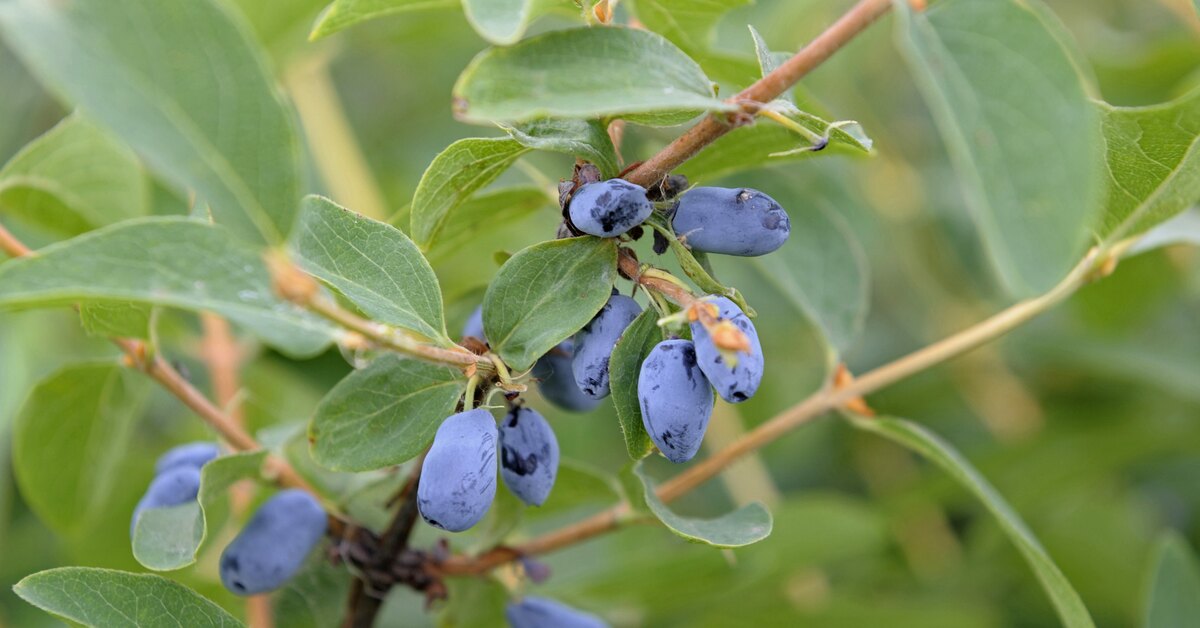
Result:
{"points": [[272, 546]]}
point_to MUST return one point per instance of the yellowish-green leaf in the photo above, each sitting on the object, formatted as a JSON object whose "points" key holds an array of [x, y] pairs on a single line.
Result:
{"points": [[746, 525], [342, 14], [624, 366], [454, 175], [1173, 585], [72, 179], [585, 139], [687, 23], [556, 75]]}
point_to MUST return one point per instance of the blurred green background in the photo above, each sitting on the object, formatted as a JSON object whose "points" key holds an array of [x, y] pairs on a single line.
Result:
{"points": [[1087, 420]]}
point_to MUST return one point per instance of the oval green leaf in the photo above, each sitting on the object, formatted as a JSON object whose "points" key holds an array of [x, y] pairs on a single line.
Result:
{"points": [[202, 111], [624, 366], [746, 525], [1021, 132], [106, 598], [171, 537], [921, 441], [383, 414], [560, 75], [545, 293], [454, 175], [342, 14], [374, 264], [174, 262], [1174, 584]]}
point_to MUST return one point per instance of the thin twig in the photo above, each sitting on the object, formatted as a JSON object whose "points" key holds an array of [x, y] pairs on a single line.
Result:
{"points": [[764, 90], [11, 245], [1095, 264]]}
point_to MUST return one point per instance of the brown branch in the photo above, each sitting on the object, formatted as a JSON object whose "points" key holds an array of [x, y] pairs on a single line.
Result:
{"points": [[11, 245], [764, 90], [1096, 264], [631, 268]]}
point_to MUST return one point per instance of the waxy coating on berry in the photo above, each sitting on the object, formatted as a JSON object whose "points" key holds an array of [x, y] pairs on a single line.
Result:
{"points": [[458, 477], [675, 399], [474, 325], [739, 383], [528, 455], [540, 612], [274, 544], [173, 487], [731, 221], [191, 454], [594, 344], [609, 208], [556, 380]]}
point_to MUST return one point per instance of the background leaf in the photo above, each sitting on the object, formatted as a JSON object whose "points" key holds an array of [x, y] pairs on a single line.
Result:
{"points": [[105, 598], [822, 270], [383, 414], [1153, 156], [687, 23], [64, 438], [374, 264], [1173, 584], [748, 524], [139, 68], [170, 538], [116, 318], [624, 366], [72, 179], [1027, 158], [503, 22], [454, 175], [927, 444], [545, 293], [479, 215], [556, 75], [586, 139], [342, 14], [174, 262]]}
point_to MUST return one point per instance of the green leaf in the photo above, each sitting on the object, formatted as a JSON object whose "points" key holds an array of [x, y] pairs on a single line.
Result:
{"points": [[342, 14], [822, 270], [503, 22], [315, 597], [67, 438], [746, 525], [545, 293], [927, 444], [578, 485], [624, 366], [106, 598], [557, 75], [170, 538], [768, 61], [586, 139], [383, 414], [374, 264], [174, 262], [116, 318], [201, 110], [483, 212], [1014, 113], [1183, 228], [766, 144], [687, 23], [72, 179], [473, 603], [1173, 584], [1153, 156], [455, 174]]}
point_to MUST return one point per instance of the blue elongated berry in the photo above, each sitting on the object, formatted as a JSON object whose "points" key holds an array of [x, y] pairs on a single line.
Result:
{"points": [[739, 383], [175, 486], [190, 454], [274, 543], [540, 612], [458, 478], [556, 381], [675, 398], [609, 208], [474, 326], [594, 344], [528, 455], [731, 221]]}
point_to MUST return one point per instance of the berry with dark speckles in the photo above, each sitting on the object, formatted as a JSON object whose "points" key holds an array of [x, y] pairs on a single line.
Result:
{"points": [[731, 221], [173, 487], [556, 381], [528, 455], [609, 208], [458, 478], [739, 383], [675, 399], [594, 344]]}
